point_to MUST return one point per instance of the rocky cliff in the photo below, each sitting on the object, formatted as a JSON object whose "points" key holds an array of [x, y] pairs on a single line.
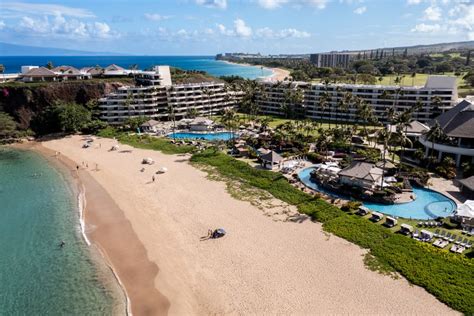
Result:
{"points": [[24, 100]]}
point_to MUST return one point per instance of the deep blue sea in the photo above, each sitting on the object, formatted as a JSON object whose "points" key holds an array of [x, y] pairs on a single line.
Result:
{"points": [[214, 67], [38, 209]]}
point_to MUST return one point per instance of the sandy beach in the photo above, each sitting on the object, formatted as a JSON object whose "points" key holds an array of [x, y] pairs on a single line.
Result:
{"points": [[150, 233], [279, 74]]}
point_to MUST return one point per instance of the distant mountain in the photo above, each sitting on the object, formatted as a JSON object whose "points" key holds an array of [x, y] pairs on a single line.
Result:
{"points": [[7, 49]]}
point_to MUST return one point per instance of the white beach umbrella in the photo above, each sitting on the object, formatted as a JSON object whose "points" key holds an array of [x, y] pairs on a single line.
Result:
{"points": [[163, 169]]}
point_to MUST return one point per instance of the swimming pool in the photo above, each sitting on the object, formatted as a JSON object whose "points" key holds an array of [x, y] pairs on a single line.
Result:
{"points": [[428, 204], [205, 136]]}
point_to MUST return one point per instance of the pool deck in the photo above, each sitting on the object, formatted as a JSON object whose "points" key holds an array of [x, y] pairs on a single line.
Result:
{"points": [[446, 187]]}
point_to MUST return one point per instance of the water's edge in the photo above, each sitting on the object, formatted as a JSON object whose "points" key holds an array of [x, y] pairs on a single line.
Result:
{"points": [[97, 256]]}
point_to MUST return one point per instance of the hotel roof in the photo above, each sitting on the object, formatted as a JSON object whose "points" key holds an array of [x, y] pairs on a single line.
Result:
{"points": [[458, 121], [40, 72], [362, 170], [441, 82]]}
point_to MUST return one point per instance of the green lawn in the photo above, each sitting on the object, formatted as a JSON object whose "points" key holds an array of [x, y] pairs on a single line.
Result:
{"points": [[407, 80]]}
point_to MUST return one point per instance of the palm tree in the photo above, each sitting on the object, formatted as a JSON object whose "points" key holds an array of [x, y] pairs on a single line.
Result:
{"points": [[129, 103], [434, 134], [413, 76], [2, 71], [384, 136], [208, 93], [171, 116], [229, 120], [323, 103], [436, 102]]}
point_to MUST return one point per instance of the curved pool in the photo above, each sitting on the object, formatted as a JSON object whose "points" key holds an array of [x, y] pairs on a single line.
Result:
{"points": [[205, 136], [428, 204]]}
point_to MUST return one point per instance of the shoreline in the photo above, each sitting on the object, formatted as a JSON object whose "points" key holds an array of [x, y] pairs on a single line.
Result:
{"points": [[278, 74], [94, 200], [213, 277]]}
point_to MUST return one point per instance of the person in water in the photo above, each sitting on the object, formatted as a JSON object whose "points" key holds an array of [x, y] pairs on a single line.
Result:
{"points": [[62, 244]]}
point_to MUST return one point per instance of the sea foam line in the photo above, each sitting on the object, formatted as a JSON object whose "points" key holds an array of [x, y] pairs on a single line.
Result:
{"points": [[81, 202]]}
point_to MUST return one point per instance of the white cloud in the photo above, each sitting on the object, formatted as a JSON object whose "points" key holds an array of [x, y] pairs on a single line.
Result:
{"points": [[156, 17], [414, 2], [459, 19], [2, 25], [426, 28], [267, 32], [46, 9], [273, 4], [219, 4], [60, 27], [360, 10], [432, 13], [241, 29]]}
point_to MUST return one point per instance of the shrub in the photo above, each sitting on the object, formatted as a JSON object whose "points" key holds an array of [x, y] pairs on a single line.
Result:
{"points": [[351, 206]]}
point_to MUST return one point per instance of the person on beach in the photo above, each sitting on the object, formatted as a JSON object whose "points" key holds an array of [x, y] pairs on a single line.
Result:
{"points": [[77, 168], [153, 178]]}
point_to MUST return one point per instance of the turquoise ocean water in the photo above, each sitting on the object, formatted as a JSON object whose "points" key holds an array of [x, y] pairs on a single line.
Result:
{"points": [[36, 276], [214, 67]]}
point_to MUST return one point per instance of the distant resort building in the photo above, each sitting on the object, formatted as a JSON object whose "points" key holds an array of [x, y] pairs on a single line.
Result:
{"points": [[437, 96], [156, 93], [62, 73], [458, 139], [332, 60]]}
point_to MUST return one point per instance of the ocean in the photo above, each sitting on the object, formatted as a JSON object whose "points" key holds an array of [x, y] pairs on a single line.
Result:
{"points": [[38, 210], [214, 67]]}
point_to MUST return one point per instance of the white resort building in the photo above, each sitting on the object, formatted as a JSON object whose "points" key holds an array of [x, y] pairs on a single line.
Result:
{"points": [[156, 93], [436, 96]]}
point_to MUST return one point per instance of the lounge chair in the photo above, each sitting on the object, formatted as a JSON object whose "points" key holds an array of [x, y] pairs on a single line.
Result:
{"points": [[458, 242], [447, 237], [460, 249], [464, 242], [419, 224], [438, 242], [453, 238], [436, 233], [469, 244], [416, 234], [443, 233], [453, 248]]}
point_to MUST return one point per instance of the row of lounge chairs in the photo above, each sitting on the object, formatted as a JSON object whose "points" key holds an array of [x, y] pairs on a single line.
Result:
{"points": [[429, 224], [444, 238], [467, 231]]}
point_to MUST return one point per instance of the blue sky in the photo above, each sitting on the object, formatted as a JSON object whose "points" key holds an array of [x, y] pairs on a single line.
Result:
{"points": [[206, 27]]}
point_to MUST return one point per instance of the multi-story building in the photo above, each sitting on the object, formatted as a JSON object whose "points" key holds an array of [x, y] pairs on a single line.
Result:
{"points": [[340, 60], [156, 95], [458, 130], [438, 95]]}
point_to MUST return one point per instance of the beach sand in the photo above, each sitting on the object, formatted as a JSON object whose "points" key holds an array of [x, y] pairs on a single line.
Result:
{"points": [[279, 74], [262, 266]]}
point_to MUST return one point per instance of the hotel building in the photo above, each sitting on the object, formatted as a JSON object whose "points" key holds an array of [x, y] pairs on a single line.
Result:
{"points": [[333, 60], [436, 96], [155, 93]]}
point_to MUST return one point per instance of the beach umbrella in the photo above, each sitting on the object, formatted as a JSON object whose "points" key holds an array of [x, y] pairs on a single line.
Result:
{"points": [[163, 169]]}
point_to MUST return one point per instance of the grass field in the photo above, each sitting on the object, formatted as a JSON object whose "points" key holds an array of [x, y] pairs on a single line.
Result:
{"points": [[407, 80]]}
